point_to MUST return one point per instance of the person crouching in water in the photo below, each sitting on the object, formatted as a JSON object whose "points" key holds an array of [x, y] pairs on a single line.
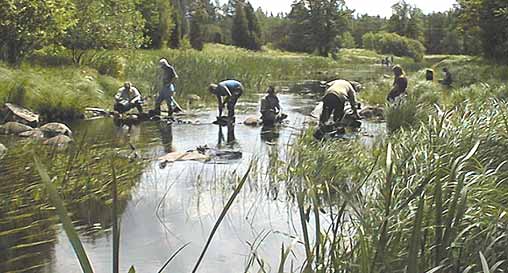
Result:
{"points": [[270, 107], [127, 98], [168, 90], [399, 84], [338, 92], [227, 93]]}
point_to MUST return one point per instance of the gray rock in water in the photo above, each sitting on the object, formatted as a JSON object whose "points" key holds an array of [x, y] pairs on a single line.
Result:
{"points": [[60, 140], [35, 134], [14, 128], [251, 121], [54, 129], [3, 150], [371, 112]]}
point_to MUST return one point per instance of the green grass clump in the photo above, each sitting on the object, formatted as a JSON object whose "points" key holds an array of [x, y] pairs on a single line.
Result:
{"points": [[429, 200]]}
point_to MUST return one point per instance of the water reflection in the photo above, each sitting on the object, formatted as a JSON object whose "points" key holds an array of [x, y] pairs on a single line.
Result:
{"points": [[166, 133], [270, 134], [230, 141]]}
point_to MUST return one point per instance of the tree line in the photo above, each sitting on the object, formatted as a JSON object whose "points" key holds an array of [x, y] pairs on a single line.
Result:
{"points": [[313, 26]]}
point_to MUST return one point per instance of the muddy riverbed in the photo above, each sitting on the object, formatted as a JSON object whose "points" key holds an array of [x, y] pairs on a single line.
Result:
{"points": [[179, 204]]}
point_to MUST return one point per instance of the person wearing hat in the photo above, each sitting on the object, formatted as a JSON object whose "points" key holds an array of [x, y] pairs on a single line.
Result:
{"points": [[227, 93], [168, 89], [270, 107], [127, 98], [336, 95], [399, 84]]}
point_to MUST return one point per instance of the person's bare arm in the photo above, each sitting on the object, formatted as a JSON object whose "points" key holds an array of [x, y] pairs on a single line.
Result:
{"points": [[221, 105], [352, 101]]}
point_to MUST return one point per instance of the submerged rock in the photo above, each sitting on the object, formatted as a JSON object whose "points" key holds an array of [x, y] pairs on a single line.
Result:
{"points": [[14, 128], [54, 129], [252, 121], [371, 112], [59, 140], [3, 150]]}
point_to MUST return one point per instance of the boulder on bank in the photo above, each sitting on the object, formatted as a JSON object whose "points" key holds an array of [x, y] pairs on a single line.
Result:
{"points": [[191, 98], [15, 113], [58, 141], [3, 150], [14, 128], [54, 129], [34, 134]]}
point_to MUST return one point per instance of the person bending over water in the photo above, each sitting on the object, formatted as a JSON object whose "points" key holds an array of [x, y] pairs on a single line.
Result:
{"points": [[338, 92], [227, 93]]}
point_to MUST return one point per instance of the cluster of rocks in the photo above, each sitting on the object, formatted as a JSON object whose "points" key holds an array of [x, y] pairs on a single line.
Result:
{"points": [[24, 123]]}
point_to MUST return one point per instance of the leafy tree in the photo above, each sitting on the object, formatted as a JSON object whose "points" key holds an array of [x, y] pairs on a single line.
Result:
{"points": [[494, 28], [299, 36], [393, 43], [158, 22], [176, 33], [406, 20], [240, 29], [26, 25], [197, 35], [364, 24], [346, 40], [105, 25]]}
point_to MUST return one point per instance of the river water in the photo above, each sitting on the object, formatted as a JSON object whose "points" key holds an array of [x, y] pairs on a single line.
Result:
{"points": [[179, 204]]}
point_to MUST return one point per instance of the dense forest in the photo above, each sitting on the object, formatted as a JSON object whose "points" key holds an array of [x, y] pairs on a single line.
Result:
{"points": [[315, 26]]}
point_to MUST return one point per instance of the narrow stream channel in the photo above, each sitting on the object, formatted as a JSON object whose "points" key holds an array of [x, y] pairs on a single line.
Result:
{"points": [[180, 203]]}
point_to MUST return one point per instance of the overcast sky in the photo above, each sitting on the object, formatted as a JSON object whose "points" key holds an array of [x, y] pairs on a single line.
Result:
{"points": [[372, 7]]}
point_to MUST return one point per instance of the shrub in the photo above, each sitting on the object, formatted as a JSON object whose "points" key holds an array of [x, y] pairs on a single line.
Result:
{"points": [[392, 43]]}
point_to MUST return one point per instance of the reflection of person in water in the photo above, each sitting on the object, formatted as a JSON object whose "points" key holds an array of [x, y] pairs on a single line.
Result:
{"points": [[231, 140], [270, 133], [166, 132]]}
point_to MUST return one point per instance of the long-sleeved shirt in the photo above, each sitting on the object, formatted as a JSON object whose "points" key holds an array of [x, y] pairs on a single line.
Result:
{"points": [[343, 90], [270, 103], [131, 94], [168, 75]]}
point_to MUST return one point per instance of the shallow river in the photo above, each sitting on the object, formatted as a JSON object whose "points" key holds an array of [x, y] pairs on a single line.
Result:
{"points": [[180, 203]]}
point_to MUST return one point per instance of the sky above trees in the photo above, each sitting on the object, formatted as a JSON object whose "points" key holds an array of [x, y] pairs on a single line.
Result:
{"points": [[372, 7]]}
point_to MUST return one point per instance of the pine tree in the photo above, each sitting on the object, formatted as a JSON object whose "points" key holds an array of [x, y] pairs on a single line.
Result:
{"points": [[240, 28], [255, 33], [197, 24], [175, 40]]}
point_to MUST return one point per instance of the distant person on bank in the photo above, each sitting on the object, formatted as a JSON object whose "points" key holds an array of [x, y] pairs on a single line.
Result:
{"points": [[336, 95], [399, 84], [447, 79], [227, 93], [168, 89], [127, 98]]}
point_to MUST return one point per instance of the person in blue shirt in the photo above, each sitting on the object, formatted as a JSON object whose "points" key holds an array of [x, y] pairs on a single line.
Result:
{"points": [[227, 93]]}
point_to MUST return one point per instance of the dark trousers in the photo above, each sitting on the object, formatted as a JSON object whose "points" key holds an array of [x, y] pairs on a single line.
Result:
{"points": [[122, 108], [332, 105], [231, 105]]}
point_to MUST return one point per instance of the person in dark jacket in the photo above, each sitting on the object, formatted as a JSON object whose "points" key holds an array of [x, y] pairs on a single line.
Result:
{"points": [[168, 89], [447, 80], [270, 107], [399, 84]]}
